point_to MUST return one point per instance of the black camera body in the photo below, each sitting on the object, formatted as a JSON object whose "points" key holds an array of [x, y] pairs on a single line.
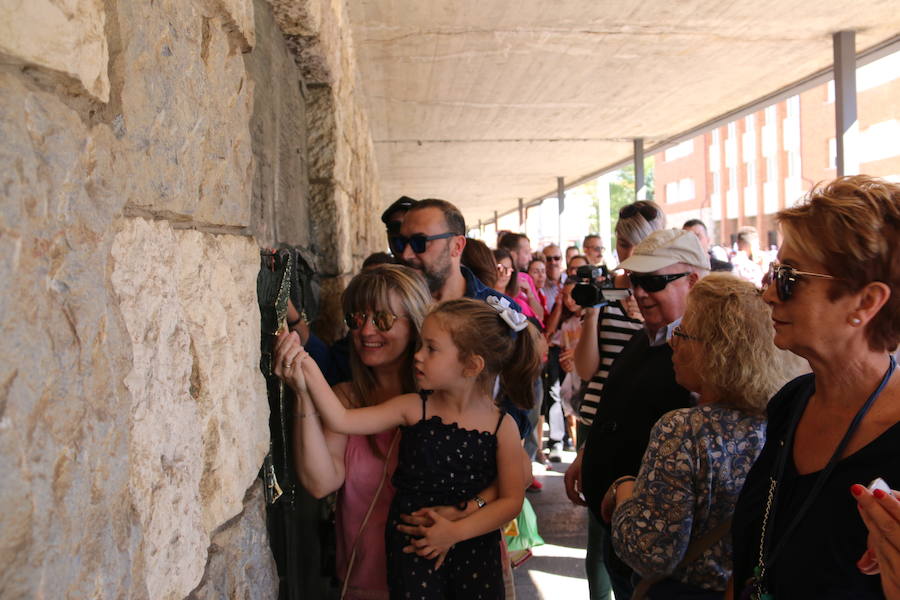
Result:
{"points": [[594, 287]]}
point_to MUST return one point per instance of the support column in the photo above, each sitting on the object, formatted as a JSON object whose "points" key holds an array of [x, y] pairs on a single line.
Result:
{"points": [[640, 190], [561, 202], [521, 215], [845, 119]]}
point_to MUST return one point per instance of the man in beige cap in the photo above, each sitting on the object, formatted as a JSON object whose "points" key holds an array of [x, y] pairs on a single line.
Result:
{"points": [[641, 384]]}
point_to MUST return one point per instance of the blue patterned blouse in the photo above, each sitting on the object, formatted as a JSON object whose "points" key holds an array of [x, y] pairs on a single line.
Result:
{"points": [[692, 473]]}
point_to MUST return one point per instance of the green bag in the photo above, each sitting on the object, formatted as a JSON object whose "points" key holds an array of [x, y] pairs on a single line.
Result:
{"points": [[528, 530]]}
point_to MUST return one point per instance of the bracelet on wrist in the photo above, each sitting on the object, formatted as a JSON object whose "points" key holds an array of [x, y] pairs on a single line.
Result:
{"points": [[615, 484]]}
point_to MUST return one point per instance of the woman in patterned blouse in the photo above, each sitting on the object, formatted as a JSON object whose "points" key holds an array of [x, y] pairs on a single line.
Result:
{"points": [[698, 458]]}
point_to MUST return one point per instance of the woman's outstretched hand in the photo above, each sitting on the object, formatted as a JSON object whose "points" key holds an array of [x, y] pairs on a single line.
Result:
{"points": [[880, 512], [289, 355]]}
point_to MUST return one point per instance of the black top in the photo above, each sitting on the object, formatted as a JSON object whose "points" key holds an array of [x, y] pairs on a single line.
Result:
{"points": [[640, 389], [818, 559], [441, 463]]}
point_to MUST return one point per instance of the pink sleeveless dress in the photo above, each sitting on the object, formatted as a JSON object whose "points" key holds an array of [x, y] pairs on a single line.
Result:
{"points": [[363, 472]]}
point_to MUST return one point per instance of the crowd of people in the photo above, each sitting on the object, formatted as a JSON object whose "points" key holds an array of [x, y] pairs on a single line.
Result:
{"points": [[735, 416]]}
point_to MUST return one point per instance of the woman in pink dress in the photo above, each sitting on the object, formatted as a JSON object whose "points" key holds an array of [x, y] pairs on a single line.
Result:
{"points": [[384, 308]]}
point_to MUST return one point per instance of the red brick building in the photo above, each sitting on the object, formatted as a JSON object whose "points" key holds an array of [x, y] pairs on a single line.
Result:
{"points": [[743, 172]]}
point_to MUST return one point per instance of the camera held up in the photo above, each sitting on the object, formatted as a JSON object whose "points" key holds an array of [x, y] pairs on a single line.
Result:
{"points": [[594, 287]]}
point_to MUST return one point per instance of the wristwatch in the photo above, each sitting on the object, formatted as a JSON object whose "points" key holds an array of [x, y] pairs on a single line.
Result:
{"points": [[481, 502]]}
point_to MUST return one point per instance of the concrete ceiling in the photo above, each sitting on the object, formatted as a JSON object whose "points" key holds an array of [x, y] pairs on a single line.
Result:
{"points": [[482, 102]]}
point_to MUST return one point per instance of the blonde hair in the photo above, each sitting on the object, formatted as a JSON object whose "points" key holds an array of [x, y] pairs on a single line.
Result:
{"points": [[740, 362], [636, 226], [852, 227], [371, 290], [477, 329]]}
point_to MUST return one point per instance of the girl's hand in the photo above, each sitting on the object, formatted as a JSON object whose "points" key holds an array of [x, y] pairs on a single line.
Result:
{"points": [[289, 355], [434, 541], [567, 360]]}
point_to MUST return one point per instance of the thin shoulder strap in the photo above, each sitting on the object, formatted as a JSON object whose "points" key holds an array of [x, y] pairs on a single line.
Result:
{"points": [[423, 394], [500, 420]]}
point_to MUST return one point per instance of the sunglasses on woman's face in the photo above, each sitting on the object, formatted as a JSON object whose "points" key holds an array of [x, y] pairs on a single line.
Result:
{"points": [[653, 283], [418, 242], [678, 333], [381, 319], [784, 278]]}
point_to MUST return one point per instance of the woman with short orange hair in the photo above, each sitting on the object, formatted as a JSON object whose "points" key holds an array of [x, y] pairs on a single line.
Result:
{"points": [[835, 300]]}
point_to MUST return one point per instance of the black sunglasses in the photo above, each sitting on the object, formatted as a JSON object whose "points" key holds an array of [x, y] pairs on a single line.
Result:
{"points": [[653, 283], [553, 258], [418, 241], [381, 319], [785, 279], [646, 211]]}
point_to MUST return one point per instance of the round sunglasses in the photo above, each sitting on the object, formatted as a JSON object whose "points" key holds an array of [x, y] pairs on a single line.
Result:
{"points": [[785, 277], [381, 319]]}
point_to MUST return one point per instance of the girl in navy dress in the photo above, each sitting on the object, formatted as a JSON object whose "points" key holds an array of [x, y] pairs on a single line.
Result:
{"points": [[455, 442]]}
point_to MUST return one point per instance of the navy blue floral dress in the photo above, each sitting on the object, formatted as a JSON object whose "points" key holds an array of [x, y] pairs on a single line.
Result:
{"points": [[692, 473], [441, 464]]}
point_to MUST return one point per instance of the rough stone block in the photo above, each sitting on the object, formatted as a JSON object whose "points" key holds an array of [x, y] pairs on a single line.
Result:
{"points": [[278, 130], [64, 36], [186, 106], [64, 352], [200, 416], [240, 564]]}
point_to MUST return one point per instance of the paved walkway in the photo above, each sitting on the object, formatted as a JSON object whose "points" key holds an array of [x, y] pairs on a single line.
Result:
{"points": [[557, 568]]}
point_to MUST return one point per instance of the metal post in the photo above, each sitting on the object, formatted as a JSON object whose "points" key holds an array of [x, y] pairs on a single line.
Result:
{"points": [[845, 120], [522, 215], [640, 192], [561, 202]]}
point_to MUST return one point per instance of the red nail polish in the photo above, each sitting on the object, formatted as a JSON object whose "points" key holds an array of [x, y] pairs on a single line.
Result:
{"points": [[879, 494], [857, 489]]}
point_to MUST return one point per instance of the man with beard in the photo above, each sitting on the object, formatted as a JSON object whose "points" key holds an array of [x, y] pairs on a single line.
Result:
{"points": [[431, 240]]}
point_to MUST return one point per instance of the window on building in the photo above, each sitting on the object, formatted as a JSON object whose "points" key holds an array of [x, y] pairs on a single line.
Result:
{"points": [[680, 151], [771, 168], [732, 178], [672, 191], [793, 164], [716, 184], [750, 122], [751, 173], [793, 107], [771, 115]]}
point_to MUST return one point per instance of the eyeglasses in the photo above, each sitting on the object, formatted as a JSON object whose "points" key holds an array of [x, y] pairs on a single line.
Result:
{"points": [[647, 211], [785, 279], [418, 241], [654, 283], [598, 248], [381, 319], [553, 258], [679, 334], [503, 269]]}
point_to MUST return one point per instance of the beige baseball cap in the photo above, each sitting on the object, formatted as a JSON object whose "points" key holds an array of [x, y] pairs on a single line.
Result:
{"points": [[666, 247]]}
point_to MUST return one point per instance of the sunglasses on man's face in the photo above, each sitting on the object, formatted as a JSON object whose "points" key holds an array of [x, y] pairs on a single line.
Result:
{"points": [[653, 283], [553, 258], [784, 278], [418, 241], [381, 319]]}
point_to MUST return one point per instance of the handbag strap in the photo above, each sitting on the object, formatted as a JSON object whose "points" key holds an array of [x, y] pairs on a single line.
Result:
{"points": [[693, 552], [362, 527]]}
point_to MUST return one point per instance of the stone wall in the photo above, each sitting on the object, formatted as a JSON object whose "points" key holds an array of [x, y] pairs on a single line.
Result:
{"points": [[344, 202], [149, 149]]}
